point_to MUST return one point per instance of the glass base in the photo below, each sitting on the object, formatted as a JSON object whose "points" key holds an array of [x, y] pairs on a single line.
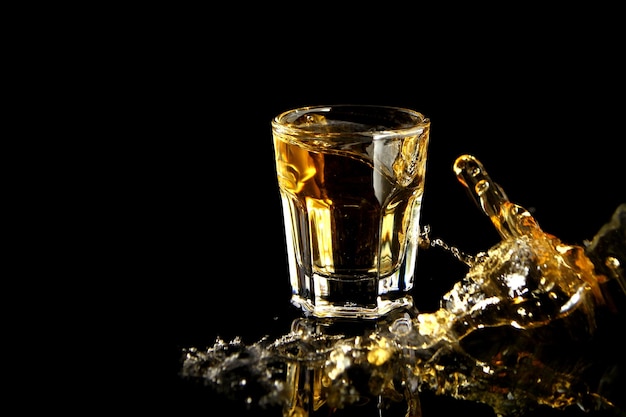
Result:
{"points": [[324, 309]]}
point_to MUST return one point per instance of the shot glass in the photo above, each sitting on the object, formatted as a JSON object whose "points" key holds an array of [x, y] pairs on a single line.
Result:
{"points": [[351, 181]]}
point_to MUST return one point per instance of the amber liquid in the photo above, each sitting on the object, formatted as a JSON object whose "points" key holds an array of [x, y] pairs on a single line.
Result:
{"points": [[351, 222]]}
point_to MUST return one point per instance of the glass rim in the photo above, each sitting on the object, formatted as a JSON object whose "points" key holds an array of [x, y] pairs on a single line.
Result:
{"points": [[282, 121]]}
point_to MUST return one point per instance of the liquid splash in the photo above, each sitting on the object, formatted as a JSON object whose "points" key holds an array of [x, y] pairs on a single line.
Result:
{"points": [[531, 326]]}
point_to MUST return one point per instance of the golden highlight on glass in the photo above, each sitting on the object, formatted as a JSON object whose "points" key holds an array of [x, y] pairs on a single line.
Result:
{"points": [[351, 180]]}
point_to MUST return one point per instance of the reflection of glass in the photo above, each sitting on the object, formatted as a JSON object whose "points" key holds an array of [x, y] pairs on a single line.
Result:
{"points": [[534, 325], [360, 365], [351, 180]]}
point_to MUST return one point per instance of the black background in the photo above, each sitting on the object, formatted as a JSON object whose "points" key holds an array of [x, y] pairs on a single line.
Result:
{"points": [[535, 91]]}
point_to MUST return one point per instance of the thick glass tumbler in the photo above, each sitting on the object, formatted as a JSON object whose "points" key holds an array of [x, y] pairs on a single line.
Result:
{"points": [[351, 180]]}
